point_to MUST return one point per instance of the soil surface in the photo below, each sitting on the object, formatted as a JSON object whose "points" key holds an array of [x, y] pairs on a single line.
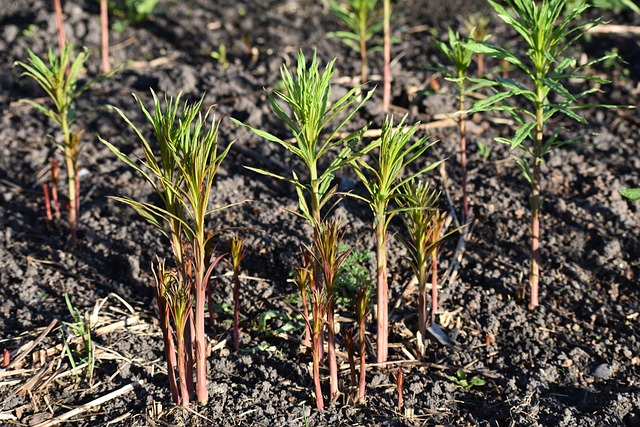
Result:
{"points": [[575, 361]]}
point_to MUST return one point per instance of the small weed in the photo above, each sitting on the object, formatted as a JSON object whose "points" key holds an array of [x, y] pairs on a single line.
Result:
{"points": [[460, 379]]}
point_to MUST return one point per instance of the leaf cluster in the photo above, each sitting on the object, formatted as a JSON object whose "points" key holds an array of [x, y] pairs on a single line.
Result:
{"points": [[304, 105], [460, 379], [363, 18], [183, 175]]}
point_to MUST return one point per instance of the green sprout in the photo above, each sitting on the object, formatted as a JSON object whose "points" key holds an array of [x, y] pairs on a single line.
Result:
{"points": [[460, 58], [307, 95], [423, 222], [189, 160], [548, 34], [363, 19], [460, 379], [220, 55], [59, 79], [80, 328], [382, 182]]}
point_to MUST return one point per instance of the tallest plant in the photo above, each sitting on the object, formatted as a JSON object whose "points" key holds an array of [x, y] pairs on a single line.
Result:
{"points": [[548, 32]]}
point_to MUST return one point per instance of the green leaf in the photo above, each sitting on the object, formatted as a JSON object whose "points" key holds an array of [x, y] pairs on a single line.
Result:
{"points": [[631, 193]]}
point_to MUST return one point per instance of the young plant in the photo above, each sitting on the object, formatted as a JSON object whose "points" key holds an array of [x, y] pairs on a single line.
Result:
{"points": [[304, 283], [423, 223], [362, 303], [460, 379], [307, 95], [460, 59], [548, 33], [382, 182], [59, 79], [183, 179], [363, 20], [327, 256], [238, 253], [319, 303], [80, 328]]}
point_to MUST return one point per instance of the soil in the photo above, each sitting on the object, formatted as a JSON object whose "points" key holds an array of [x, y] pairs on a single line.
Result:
{"points": [[574, 361]]}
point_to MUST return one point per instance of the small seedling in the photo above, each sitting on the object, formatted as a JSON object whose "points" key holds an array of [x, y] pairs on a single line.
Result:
{"points": [[59, 79], [238, 253], [460, 60], [382, 182], [220, 55], [80, 328], [549, 34], [460, 379], [363, 20]]}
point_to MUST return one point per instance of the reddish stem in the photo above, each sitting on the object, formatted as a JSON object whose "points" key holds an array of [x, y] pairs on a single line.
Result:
{"points": [[363, 364], [55, 172], [47, 206], [400, 384], [62, 39], [104, 29], [236, 310], [383, 294]]}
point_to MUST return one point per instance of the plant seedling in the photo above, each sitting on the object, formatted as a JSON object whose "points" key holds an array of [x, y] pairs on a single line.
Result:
{"points": [[423, 222], [59, 79], [326, 254], [238, 253], [304, 283], [460, 379], [548, 33], [182, 178], [460, 60], [382, 182], [307, 95], [363, 20], [80, 328]]}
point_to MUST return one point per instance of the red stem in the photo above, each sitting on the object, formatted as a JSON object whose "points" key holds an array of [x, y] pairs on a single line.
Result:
{"points": [[317, 344], [62, 39], [363, 360], [236, 310], [104, 25], [47, 206], [55, 171], [305, 315], [434, 286], [383, 294]]}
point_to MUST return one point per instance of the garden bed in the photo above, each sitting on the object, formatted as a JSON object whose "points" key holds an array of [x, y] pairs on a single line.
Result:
{"points": [[574, 361]]}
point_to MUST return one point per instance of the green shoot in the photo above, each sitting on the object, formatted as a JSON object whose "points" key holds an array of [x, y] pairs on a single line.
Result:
{"points": [[423, 223], [307, 95], [363, 21], [238, 253], [460, 379], [59, 79], [327, 256], [80, 328], [460, 60], [382, 182], [220, 56], [183, 179], [549, 34]]}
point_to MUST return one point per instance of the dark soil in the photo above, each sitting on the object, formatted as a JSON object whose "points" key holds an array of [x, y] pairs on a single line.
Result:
{"points": [[575, 361]]}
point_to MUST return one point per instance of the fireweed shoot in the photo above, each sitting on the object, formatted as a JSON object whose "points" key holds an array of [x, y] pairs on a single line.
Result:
{"points": [[306, 96], [460, 59], [423, 222], [182, 178], [382, 181], [364, 22], [59, 79], [547, 30], [237, 253]]}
